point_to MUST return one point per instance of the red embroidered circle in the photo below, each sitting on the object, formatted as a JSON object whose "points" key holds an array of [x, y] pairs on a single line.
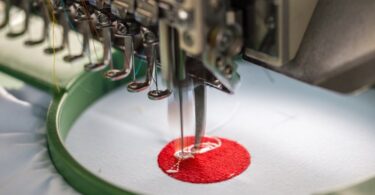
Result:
{"points": [[220, 164]]}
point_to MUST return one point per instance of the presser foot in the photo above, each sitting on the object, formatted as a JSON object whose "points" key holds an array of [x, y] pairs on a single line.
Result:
{"points": [[137, 87], [95, 67], [116, 74], [51, 50], [15, 34], [158, 94], [34, 42], [71, 58]]}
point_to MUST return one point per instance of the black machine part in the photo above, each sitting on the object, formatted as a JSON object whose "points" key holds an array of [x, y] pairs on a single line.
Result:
{"points": [[337, 51]]}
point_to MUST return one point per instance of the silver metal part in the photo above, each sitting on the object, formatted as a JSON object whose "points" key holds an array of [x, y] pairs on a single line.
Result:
{"points": [[209, 31], [81, 14], [58, 12], [104, 24], [66, 12], [150, 45], [117, 74], [225, 43], [200, 113], [165, 54], [158, 94], [202, 30], [82, 18], [192, 30]]}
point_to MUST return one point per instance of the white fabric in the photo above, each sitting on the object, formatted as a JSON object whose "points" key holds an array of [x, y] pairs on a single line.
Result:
{"points": [[25, 166], [302, 139]]}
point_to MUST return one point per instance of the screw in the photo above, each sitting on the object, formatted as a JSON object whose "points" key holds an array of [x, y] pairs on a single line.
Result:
{"points": [[183, 15], [187, 38], [121, 28], [270, 22], [225, 40], [220, 63], [228, 71], [103, 19], [150, 37]]}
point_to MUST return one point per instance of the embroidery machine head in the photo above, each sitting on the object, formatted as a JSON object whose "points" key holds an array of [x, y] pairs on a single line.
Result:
{"points": [[196, 43]]}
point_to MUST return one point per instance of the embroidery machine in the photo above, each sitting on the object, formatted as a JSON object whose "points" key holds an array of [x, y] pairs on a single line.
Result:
{"points": [[193, 43]]}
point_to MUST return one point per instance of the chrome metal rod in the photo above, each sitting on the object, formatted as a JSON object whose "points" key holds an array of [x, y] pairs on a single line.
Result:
{"points": [[179, 78], [200, 113]]}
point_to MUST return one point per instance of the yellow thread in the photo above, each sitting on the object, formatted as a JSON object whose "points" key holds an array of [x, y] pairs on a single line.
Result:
{"points": [[54, 77]]}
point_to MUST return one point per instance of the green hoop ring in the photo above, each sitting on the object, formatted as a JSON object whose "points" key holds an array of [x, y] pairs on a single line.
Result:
{"points": [[66, 106], [63, 111]]}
